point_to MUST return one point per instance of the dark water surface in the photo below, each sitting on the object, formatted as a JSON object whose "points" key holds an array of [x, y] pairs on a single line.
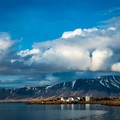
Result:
{"points": [[21, 111]]}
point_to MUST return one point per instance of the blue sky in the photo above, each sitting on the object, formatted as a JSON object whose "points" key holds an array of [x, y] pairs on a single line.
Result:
{"points": [[51, 41], [41, 20]]}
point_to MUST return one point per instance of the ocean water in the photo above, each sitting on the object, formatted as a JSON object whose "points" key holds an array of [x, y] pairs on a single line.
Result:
{"points": [[22, 111]]}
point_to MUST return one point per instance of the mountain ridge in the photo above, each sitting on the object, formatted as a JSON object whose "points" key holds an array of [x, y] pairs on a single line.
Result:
{"points": [[101, 86]]}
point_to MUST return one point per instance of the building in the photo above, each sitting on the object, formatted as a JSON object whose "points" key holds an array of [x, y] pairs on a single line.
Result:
{"points": [[62, 99], [70, 99], [78, 98], [67, 99], [87, 98]]}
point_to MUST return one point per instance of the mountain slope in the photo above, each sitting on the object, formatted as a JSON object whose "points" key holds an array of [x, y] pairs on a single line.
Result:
{"points": [[102, 86]]}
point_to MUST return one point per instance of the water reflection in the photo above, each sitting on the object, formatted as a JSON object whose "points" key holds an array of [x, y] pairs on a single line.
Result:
{"points": [[58, 112], [80, 111], [62, 106], [72, 106], [87, 106], [68, 106]]}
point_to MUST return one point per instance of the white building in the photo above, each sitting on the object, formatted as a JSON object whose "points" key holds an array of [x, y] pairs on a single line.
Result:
{"points": [[71, 99], [78, 98], [62, 99], [67, 99], [87, 98]]}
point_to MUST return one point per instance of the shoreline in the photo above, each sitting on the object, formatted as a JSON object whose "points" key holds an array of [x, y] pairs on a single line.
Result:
{"points": [[48, 102]]}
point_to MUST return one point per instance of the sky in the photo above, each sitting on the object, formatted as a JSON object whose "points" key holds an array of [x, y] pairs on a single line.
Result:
{"points": [[45, 42]]}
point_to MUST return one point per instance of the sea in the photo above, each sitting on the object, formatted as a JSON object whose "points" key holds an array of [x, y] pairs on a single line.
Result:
{"points": [[23, 111]]}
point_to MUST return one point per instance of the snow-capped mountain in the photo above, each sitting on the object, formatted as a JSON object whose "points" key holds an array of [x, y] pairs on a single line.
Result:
{"points": [[101, 86]]}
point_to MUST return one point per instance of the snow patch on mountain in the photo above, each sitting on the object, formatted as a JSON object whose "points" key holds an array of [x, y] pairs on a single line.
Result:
{"points": [[73, 84]]}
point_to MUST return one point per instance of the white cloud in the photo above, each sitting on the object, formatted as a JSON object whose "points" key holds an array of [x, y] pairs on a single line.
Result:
{"points": [[72, 34], [101, 59], [92, 49], [112, 28], [63, 58], [78, 32], [5, 41], [5, 44], [28, 52], [116, 67]]}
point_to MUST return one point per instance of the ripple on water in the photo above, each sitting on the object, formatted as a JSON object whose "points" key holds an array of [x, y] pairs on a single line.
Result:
{"points": [[74, 114]]}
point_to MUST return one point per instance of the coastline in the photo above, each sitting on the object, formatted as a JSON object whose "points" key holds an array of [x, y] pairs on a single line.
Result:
{"points": [[36, 101]]}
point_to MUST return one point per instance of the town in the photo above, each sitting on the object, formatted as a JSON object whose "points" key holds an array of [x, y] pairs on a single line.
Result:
{"points": [[77, 100], [113, 101]]}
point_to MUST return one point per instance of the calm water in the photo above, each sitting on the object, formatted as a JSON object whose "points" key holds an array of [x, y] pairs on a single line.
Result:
{"points": [[21, 111]]}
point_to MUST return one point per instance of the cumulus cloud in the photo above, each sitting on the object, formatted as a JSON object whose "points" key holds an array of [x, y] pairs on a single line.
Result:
{"points": [[5, 41], [71, 34], [90, 49], [28, 52], [62, 58], [94, 49], [5, 44], [116, 67], [101, 59]]}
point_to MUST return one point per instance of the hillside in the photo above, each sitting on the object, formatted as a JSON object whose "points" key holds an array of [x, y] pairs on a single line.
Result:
{"points": [[102, 86]]}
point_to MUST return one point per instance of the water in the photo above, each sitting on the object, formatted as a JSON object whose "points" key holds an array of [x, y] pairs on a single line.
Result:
{"points": [[21, 111]]}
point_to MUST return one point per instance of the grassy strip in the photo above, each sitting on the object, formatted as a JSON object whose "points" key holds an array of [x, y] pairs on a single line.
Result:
{"points": [[111, 103], [102, 102]]}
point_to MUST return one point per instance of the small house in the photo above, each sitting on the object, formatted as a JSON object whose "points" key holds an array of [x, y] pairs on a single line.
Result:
{"points": [[71, 99], [87, 98], [62, 99]]}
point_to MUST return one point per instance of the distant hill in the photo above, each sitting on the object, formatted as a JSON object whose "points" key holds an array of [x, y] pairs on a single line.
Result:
{"points": [[101, 86]]}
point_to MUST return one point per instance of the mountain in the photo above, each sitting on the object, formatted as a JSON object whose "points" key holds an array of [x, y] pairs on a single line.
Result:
{"points": [[101, 86]]}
